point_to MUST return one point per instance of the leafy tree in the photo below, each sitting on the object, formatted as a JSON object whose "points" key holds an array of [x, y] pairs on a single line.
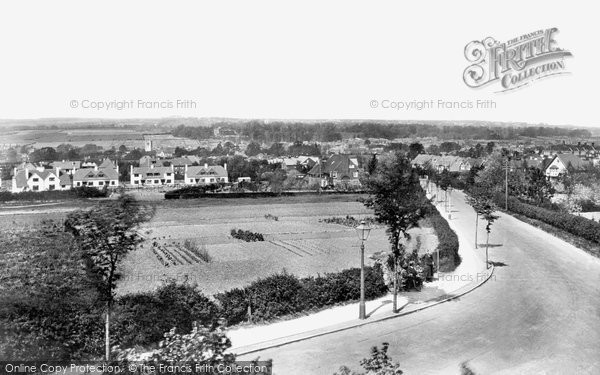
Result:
{"points": [[398, 201], [415, 149], [253, 149], [104, 235], [539, 189], [44, 154], [480, 201]]}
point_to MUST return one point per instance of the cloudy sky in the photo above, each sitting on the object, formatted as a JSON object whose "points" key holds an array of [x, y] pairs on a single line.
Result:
{"points": [[276, 59]]}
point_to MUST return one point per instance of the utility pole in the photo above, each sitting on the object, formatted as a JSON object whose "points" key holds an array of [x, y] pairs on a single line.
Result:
{"points": [[506, 186]]}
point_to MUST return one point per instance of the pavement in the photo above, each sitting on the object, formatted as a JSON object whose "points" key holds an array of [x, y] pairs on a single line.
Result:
{"points": [[539, 313], [471, 273]]}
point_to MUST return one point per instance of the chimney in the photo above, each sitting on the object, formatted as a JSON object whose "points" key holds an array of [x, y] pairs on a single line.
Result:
{"points": [[57, 171], [205, 165], [225, 167], [26, 173], [151, 166]]}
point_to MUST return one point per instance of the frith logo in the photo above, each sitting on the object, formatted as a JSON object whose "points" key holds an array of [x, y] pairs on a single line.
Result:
{"points": [[515, 63]]}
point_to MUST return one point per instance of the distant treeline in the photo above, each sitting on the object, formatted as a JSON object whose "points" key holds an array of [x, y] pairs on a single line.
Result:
{"points": [[328, 131]]}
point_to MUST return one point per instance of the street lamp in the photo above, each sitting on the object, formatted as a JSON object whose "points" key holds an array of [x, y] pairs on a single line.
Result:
{"points": [[363, 234]]}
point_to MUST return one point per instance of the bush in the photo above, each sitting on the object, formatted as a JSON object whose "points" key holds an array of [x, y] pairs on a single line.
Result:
{"points": [[576, 225], [142, 319], [246, 235], [285, 294]]}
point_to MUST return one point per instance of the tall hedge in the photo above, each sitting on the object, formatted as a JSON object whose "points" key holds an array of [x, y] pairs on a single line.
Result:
{"points": [[576, 225], [447, 242], [285, 294]]}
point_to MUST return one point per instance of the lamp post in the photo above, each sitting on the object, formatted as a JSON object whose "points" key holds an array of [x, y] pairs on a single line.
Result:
{"points": [[363, 234]]}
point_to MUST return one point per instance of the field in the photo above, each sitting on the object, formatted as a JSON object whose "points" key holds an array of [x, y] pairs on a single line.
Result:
{"points": [[296, 242]]}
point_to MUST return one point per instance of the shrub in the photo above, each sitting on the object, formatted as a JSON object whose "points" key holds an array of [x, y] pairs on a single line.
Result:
{"points": [[246, 235], [271, 217], [349, 221], [142, 319]]}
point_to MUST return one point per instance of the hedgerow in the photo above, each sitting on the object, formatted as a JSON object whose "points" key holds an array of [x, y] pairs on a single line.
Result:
{"points": [[447, 241], [576, 225]]}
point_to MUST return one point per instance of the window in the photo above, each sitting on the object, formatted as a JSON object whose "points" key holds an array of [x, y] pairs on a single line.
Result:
{"points": [[136, 175], [51, 179], [35, 179], [100, 183], [78, 183], [35, 188], [51, 187], [112, 182], [355, 174]]}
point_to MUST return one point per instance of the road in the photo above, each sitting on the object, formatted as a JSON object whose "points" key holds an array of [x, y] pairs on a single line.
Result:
{"points": [[538, 314]]}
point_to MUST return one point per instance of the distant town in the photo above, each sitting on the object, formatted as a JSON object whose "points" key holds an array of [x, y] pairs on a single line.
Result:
{"points": [[270, 156]]}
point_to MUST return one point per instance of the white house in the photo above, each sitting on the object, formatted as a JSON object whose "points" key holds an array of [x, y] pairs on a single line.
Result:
{"points": [[39, 180], [206, 174], [152, 175], [561, 162], [98, 178], [67, 166]]}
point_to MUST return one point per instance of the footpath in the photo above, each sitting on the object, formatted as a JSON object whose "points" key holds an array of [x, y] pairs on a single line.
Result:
{"points": [[470, 274]]}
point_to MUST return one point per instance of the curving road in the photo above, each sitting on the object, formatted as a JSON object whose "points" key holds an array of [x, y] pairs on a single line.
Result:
{"points": [[538, 314]]}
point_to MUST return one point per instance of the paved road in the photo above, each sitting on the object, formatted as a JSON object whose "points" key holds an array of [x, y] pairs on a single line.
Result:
{"points": [[539, 314]]}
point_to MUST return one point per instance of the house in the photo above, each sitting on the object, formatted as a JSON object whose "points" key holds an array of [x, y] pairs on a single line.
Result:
{"points": [[561, 163], [152, 175], [107, 163], [206, 174], [441, 163], [338, 169], [96, 177], [39, 180], [67, 166]]}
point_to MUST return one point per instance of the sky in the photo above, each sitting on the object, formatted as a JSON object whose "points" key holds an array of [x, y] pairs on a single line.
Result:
{"points": [[284, 60]]}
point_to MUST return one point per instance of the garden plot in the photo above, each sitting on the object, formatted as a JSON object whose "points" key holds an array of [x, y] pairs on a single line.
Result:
{"points": [[296, 243]]}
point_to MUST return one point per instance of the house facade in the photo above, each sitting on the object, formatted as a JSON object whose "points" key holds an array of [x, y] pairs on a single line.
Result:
{"points": [[39, 180], [337, 170], [206, 174], [98, 178], [152, 176], [561, 163]]}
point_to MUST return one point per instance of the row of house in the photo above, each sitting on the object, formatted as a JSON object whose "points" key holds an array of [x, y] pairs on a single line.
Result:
{"points": [[154, 175], [553, 166], [64, 175]]}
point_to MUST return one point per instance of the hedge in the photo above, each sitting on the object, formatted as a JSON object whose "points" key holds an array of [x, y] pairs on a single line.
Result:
{"points": [[285, 294], [143, 318], [79, 192], [576, 225], [447, 241]]}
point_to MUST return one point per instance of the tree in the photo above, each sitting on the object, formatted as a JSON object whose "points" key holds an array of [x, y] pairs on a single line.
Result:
{"points": [[253, 149], [415, 149], [372, 165], [479, 201], [380, 363], [399, 202], [489, 217], [539, 189], [104, 235]]}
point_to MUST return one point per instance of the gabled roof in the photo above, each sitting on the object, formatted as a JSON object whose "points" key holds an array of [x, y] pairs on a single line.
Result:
{"points": [[201, 171], [336, 163], [145, 170], [107, 163], [87, 174], [65, 179], [575, 160]]}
